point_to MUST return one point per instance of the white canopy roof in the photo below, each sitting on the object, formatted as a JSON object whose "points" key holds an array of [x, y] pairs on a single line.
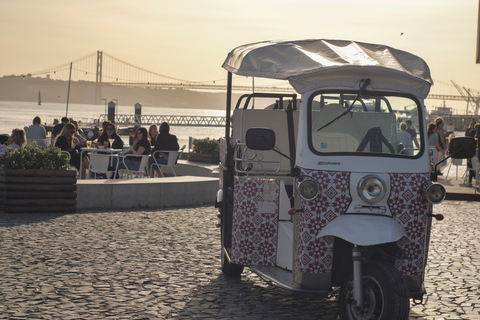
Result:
{"points": [[312, 64]]}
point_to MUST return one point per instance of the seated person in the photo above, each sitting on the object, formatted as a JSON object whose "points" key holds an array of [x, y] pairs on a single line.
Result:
{"points": [[165, 141], [65, 141], [16, 140], [140, 146], [78, 139], [37, 132], [109, 132]]}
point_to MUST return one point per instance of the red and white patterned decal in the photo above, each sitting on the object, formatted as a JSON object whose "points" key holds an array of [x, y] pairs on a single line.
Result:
{"points": [[255, 221], [410, 210], [316, 255]]}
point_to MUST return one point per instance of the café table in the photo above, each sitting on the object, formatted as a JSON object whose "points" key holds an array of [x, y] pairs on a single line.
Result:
{"points": [[112, 152]]}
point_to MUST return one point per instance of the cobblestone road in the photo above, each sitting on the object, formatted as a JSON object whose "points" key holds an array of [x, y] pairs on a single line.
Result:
{"points": [[162, 264]]}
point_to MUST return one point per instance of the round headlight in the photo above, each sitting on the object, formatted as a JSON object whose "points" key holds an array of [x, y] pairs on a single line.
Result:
{"points": [[371, 189], [435, 193], [308, 189]]}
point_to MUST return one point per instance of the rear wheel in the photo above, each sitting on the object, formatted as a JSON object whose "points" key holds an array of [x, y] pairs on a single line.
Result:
{"points": [[230, 269], [385, 295]]}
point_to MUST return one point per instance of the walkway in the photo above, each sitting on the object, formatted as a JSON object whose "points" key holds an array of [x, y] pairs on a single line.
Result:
{"points": [[163, 264]]}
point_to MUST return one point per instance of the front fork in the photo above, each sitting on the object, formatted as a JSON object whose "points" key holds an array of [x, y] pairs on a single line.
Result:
{"points": [[357, 258]]}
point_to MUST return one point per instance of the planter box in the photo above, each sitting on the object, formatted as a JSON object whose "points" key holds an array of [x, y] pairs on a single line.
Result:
{"points": [[201, 157], [36, 191]]}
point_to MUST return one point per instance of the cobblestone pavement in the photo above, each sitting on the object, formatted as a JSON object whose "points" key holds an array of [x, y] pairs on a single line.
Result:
{"points": [[162, 264]]}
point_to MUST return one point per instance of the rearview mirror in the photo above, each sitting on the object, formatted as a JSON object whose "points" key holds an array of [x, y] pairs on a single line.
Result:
{"points": [[260, 139], [462, 147]]}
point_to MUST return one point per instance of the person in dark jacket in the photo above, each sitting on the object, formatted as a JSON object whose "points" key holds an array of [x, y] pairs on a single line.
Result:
{"points": [[165, 142], [58, 128]]}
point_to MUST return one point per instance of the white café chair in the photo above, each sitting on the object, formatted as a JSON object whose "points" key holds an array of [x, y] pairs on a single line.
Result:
{"points": [[99, 165], [456, 163], [142, 169], [173, 157]]}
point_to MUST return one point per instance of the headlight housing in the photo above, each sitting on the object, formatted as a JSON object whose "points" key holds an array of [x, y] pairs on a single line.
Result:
{"points": [[371, 189], [308, 189], [434, 193]]}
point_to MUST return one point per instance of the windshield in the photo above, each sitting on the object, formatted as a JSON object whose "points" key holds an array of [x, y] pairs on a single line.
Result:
{"points": [[385, 124]]}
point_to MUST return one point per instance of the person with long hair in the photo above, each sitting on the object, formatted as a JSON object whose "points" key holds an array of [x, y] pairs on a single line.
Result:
{"points": [[140, 146], [110, 132], [65, 140], [16, 140], [153, 134]]}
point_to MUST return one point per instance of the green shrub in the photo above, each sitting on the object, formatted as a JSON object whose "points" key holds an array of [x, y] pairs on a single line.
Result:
{"points": [[34, 158], [206, 146]]}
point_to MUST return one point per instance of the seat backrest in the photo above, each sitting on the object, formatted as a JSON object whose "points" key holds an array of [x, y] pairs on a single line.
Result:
{"points": [[263, 161], [39, 142], [99, 162], [144, 164], [172, 158], [340, 135], [365, 121]]}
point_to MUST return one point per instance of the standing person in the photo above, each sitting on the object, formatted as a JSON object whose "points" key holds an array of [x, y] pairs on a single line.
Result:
{"points": [[470, 128], [440, 123], [65, 141], [37, 132], [140, 146], [111, 133], [58, 128], [434, 144], [16, 140], [474, 133], [441, 132], [153, 134], [405, 139], [413, 133]]}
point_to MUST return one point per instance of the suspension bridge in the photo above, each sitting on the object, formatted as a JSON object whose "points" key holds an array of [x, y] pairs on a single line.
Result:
{"points": [[101, 68]]}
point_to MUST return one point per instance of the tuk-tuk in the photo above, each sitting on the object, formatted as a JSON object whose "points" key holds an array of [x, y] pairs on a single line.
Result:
{"points": [[323, 186]]}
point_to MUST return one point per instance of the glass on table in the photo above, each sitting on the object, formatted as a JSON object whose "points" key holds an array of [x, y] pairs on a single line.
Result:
{"points": [[89, 144], [105, 144]]}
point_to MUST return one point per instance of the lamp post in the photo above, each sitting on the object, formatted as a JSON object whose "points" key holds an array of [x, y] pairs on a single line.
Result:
{"points": [[116, 105], [105, 100]]}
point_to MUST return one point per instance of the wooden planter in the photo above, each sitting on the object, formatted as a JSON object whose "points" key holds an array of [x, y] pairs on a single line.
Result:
{"points": [[36, 191], [202, 157]]}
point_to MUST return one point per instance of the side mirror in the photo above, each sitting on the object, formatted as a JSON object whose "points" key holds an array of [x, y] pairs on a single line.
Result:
{"points": [[462, 147], [260, 139]]}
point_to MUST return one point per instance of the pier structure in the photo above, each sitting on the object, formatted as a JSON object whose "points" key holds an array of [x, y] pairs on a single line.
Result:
{"points": [[138, 120]]}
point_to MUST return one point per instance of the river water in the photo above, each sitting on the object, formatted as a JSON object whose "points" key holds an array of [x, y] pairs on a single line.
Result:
{"points": [[16, 114]]}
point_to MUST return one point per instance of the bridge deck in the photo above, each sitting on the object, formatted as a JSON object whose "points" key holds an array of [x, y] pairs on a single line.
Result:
{"points": [[199, 121]]}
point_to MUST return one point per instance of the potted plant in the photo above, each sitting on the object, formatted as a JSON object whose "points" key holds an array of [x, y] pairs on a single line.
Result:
{"points": [[35, 179], [204, 150]]}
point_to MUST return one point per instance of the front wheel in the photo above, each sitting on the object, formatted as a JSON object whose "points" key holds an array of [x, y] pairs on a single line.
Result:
{"points": [[385, 295]]}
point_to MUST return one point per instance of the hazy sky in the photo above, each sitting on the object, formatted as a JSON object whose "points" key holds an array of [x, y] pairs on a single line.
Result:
{"points": [[190, 39]]}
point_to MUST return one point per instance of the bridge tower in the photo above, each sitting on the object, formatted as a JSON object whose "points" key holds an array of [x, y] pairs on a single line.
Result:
{"points": [[98, 79]]}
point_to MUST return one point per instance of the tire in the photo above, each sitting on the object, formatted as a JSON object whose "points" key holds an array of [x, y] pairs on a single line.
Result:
{"points": [[230, 269], [385, 295]]}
